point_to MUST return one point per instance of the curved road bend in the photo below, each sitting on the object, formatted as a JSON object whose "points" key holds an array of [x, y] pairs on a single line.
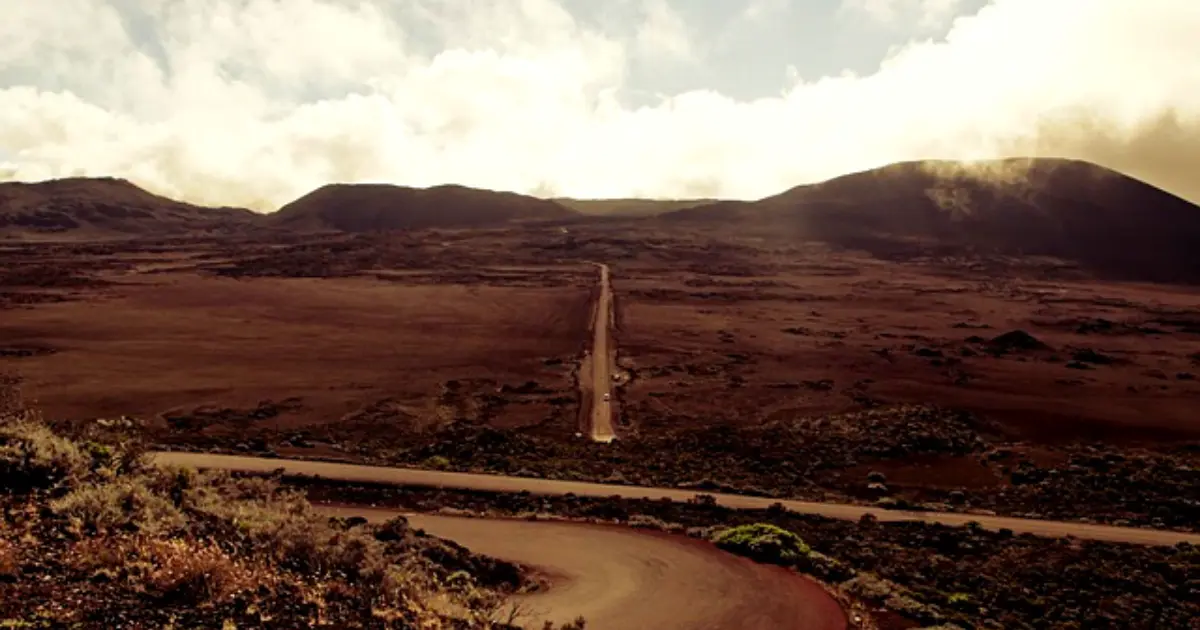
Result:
{"points": [[356, 473], [599, 364], [620, 578]]}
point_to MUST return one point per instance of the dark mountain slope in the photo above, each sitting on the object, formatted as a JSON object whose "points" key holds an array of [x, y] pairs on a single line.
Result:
{"points": [[81, 207], [1108, 222], [374, 207]]}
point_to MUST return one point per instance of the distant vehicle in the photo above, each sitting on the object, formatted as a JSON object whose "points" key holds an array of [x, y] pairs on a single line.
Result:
{"points": [[606, 397]]}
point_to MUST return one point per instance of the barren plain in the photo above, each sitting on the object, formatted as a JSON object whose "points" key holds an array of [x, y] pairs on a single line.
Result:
{"points": [[843, 343], [985, 384]]}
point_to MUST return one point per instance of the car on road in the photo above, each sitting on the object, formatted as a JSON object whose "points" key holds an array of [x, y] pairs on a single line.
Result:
{"points": [[607, 397]]}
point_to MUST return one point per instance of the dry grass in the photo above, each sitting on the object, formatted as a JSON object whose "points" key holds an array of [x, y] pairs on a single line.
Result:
{"points": [[10, 567], [177, 570], [113, 540]]}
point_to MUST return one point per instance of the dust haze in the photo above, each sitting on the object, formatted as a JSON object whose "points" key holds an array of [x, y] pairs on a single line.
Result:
{"points": [[213, 102]]}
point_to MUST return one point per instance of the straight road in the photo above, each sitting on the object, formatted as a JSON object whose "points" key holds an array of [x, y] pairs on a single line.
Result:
{"points": [[599, 366], [619, 578], [356, 473]]}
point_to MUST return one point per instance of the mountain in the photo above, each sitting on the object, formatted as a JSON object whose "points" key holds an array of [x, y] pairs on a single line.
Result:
{"points": [[1103, 220], [629, 208], [82, 207], [376, 207]]}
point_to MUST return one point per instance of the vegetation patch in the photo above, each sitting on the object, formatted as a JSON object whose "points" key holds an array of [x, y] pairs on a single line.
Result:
{"points": [[763, 542], [93, 535]]}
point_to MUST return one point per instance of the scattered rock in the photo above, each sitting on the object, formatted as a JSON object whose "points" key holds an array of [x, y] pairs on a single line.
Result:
{"points": [[1087, 355]]}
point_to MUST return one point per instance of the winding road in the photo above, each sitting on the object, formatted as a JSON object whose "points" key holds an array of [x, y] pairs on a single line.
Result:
{"points": [[596, 368], [620, 578]]}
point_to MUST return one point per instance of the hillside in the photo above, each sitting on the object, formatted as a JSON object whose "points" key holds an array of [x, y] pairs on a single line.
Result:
{"points": [[94, 534], [376, 207], [629, 208], [82, 207], [1105, 221]]}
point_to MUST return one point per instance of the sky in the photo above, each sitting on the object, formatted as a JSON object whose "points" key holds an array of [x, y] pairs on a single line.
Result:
{"points": [[255, 102]]}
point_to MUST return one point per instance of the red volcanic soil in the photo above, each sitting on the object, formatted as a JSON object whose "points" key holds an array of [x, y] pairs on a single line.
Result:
{"points": [[1109, 223], [215, 356], [77, 208], [804, 334], [375, 207]]}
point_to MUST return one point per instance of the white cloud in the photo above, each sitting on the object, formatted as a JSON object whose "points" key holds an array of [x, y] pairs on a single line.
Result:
{"points": [[664, 32], [761, 10], [925, 14], [255, 102]]}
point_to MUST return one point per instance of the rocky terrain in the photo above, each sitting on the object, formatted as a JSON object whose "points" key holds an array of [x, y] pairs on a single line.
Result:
{"points": [[966, 375]]}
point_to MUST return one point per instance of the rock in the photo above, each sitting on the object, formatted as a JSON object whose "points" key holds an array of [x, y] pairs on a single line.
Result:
{"points": [[394, 530], [1087, 355], [1016, 340], [878, 489]]}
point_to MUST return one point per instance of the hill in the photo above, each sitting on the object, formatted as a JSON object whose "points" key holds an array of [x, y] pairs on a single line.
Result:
{"points": [[381, 207], [1105, 221], [629, 208], [81, 207]]}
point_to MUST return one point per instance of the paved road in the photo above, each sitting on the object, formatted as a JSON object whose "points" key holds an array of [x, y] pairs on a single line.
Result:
{"points": [[620, 578], [497, 483], [600, 365]]}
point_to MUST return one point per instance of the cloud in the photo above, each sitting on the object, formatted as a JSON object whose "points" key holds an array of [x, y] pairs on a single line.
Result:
{"points": [[925, 14], [664, 32], [255, 102], [762, 10]]}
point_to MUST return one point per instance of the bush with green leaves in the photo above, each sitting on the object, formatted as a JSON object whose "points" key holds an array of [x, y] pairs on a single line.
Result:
{"points": [[764, 542]]}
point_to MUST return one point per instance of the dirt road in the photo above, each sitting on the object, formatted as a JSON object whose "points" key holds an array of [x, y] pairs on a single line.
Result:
{"points": [[595, 373], [620, 578], [497, 483]]}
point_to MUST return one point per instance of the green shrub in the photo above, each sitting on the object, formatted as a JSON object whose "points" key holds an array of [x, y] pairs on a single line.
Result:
{"points": [[436, 462], [763, 542]]}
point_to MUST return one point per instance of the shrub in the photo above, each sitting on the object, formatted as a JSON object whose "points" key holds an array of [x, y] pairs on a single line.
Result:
{"points": [[869, 587], [179, 571], [190, 572], [125, 505], [763, 542], [436, 462], [33, 458]]}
